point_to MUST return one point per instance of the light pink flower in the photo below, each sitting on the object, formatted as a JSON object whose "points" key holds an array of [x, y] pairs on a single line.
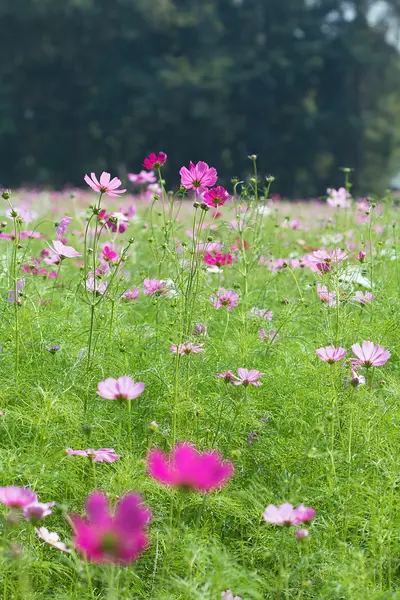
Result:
{"points": [[356, 378], [37, 510], [12, 495], [330, 354], [227, 376], [370, 355], [200, 330], [363, 298], [187, 467], [52, 538], [323, 259], [338, 198], [119, 538], [326, 296], [272, 335], [131, 294], [228, 595], [301, 534], [101, 286], [304, 514], [123, 388], [156, 287], [106, 185], [107, 455], [216, 197], [142, 177], [262, 313], [225, 299], [286, 514], [155, 161], [62, 226], [188, 348], [246, 377], [64, 251], [198, 177]]}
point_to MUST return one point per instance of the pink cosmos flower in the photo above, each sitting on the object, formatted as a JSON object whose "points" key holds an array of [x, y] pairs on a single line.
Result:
{"points": [[12, 495], [246, 377], [338, 198], [20, 287], [100, 287], [188, 348], [228, 595], [326, 296], [216, 196], [200, 329], [361, 256], [323, 260], [62, 226], [37, 511], [301, 534], [262, 313], [52, 538], [330, 354], [370, 355], [123, 388], [131, 294], [227, 376], [155, 161], [64, 251], [286, 514], [119, 538], [107, 455], [142, 177], [198, 177], [356, 378], [106, 185], [272, 335], [217, 259], [118, 222], [156, 287], [363, 298], [225, 299], [187, 467], [109, 254]]}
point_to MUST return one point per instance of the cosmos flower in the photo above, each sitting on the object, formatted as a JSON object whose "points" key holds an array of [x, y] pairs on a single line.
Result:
{"points": [[157, 287], [286, 514], [155, 161], [12, 495], [198, 177], [227, 376], [330, 354], [187, 467], [106, 185], [123, 388], [216, 197], [37, 510], [326, 296], [52, 538], [262, 313], [62, 226], [142, 177], [246, 377], [188, 348], [272, 335], [131, 294], [363, 298], [64, 251], [338, 198], [228, 595], [107, 455], [370, 355], [217, 259], [225, 299]]}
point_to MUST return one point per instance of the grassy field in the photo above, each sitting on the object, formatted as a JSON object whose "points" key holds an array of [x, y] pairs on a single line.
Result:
{"points": [[311, 433]]}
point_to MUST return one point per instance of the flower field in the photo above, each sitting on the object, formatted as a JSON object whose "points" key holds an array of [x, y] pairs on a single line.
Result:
{"points": [[199, 394]]}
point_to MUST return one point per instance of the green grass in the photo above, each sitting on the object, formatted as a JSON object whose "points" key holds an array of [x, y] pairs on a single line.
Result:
{"points": [[219, 542]]}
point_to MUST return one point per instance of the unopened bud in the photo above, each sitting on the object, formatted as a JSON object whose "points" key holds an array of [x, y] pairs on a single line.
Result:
{"points": [[153, 426], [6, 194], [196, 204]]}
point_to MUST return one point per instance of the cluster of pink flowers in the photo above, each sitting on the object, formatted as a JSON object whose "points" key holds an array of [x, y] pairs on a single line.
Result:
{"points": [[338, 198], [201, 178], [323, 261], [24, 498], [368, 354]]}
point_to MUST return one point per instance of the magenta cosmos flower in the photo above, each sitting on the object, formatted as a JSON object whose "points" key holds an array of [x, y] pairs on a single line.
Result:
{"points": [[225, 299], [187, 467], [104, 537], [123, 388], [155, 161], [64, 251], [131, 294], [12, 495], [157, 287], [286, 514], [216, 196], [107, 455], [330, 354], [218, 259], [198, 177], [188, 348], [246, 377], [370, 355], [106, 185]]}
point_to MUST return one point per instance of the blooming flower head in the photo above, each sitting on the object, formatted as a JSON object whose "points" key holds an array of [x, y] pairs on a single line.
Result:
{"points": [[370, 355], [142, 177], [123, 388], [37, 510], [323, 260], [64, 251], [106, 185], [228, 595], [330, 354], [338, 198], [12, 495], [186, 466], [131, 294], [286, 514], [225, 299], [198, 177], [155, 161], [262, 313], [62, 226], [104, 537], [363, 298], [109, 254], [92, 285], [227, 376], [118, 222], [52, 538], [188, 348], [156, 287], [216, 197], [246, 377], [107, 455], [272, 335], [217, 259], [326, 296]]}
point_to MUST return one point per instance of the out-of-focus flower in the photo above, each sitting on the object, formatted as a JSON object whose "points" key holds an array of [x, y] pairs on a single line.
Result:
{"points": [[363, 298], [131, 294], [37, 510], [12, 495], [301, 534], [52, 538], [106, 185], [338, 198], [107, 455], [227, 376], [262, 313], [361, 256], [62, 226], [228, 595], [272, 335], [157, 287], [142, 177], [326, 296], [286, 514]]}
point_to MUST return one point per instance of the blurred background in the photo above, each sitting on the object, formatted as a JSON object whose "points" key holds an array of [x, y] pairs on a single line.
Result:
{"points": [[308, 85]]}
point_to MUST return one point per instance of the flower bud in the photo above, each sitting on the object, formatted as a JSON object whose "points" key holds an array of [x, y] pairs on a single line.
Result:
{"points": [[6, 194], [153, 426], [361, 256]]}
